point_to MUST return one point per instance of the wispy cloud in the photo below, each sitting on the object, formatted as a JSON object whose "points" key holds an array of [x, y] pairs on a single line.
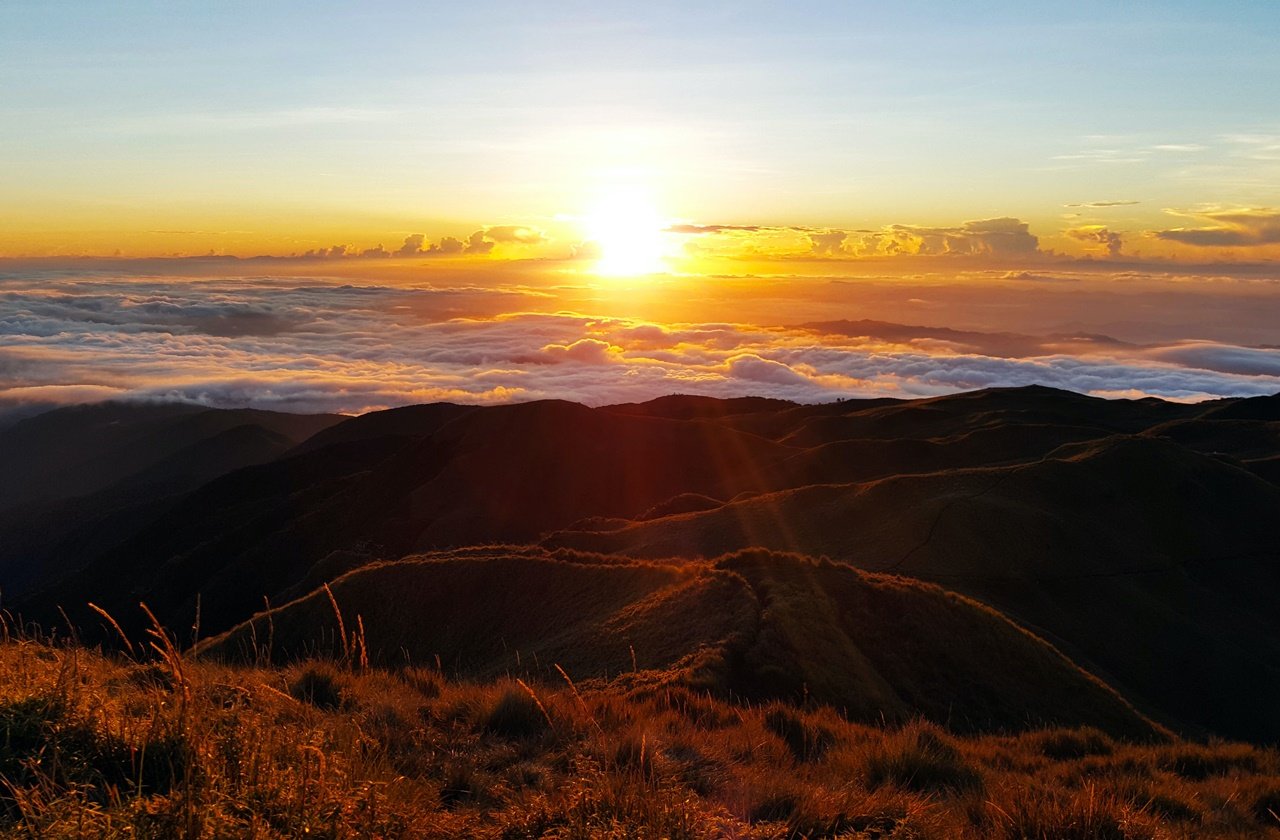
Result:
{"points": [[1227, 227], [190, 122], [1105, 204], [1257, 146]]}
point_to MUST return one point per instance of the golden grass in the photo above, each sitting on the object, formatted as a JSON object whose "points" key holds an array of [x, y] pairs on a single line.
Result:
{"points": [[96, 746]]}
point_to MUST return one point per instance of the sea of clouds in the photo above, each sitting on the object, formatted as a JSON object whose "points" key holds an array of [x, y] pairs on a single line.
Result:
{"points": [[317, 344]]}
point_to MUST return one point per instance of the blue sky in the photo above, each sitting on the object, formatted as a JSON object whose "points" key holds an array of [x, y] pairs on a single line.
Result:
{"points": [[118, 118]]}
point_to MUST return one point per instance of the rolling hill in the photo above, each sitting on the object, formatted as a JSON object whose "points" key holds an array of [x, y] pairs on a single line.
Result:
{"points": [[1136, 538], [754, 624]]}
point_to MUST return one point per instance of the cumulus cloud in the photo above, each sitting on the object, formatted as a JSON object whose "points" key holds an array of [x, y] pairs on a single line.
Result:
{"points": [[1000, 237], [829, 243], [412, 245], [333, 252], [751, 367], [1231, 227], [448, 245], [1003, 237], [588, 351], [480, 243], [518, 234], [1111, 241]]}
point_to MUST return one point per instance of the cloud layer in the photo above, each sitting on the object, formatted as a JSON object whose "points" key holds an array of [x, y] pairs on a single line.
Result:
{"points": [[316, 345]]}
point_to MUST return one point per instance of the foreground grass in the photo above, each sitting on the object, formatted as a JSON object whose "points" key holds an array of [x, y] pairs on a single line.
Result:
{"points": [[93, 746]]}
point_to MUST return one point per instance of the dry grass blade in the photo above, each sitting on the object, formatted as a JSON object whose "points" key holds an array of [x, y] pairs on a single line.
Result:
{"points": [[362, 645], [577, 695], [342, 627], [115, 626], [537, 701], [163, 644]]}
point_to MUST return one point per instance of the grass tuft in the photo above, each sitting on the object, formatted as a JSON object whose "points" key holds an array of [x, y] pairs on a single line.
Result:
{"points": [[920, 758], [1068, 744], [517, 714], [808, 741], [1076, 815], [320, 685], [1197, 762]]}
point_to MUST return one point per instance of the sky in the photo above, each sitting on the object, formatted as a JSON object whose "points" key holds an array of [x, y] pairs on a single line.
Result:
{"points": [[245, 128], [322, 206]]}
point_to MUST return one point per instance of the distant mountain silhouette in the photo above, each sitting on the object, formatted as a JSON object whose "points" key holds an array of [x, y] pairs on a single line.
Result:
{"points": [[1137, 537], [79, 479], [74, 451]]}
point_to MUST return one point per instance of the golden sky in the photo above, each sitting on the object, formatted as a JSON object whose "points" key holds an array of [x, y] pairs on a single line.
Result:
{"points": [[829, 130]]}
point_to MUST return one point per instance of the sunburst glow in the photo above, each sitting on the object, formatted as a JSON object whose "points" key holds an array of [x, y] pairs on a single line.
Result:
{"points": [[627, 229]]}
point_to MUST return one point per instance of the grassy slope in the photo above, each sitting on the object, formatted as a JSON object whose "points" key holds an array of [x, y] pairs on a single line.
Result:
{"points": [[1149, 564], [99, 747], [756, 624], [1130, 553], [439, 476]]}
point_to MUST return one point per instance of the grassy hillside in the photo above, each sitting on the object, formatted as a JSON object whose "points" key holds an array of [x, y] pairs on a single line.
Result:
{"points": [[1148, 563], [757, 625], [102, 747], [1134, 536], [441, 476]]}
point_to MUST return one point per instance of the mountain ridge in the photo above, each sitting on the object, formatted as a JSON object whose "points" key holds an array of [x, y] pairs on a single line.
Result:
{"points": [[1132, 536]]}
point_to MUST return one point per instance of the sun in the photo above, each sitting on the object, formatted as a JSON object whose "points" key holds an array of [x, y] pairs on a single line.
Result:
{"points": [[625, 226]]}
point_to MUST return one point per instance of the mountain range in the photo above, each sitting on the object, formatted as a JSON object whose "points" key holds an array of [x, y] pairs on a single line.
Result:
{"points": [[992, 560]]}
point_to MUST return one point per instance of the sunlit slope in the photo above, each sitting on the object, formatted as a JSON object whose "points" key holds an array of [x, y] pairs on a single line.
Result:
{"points": [[1151, 563], [424, 477], [757, 625], [506, 473]]}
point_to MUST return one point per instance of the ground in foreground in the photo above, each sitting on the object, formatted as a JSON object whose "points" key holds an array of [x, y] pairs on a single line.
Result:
{"points": [[92, 746]]}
